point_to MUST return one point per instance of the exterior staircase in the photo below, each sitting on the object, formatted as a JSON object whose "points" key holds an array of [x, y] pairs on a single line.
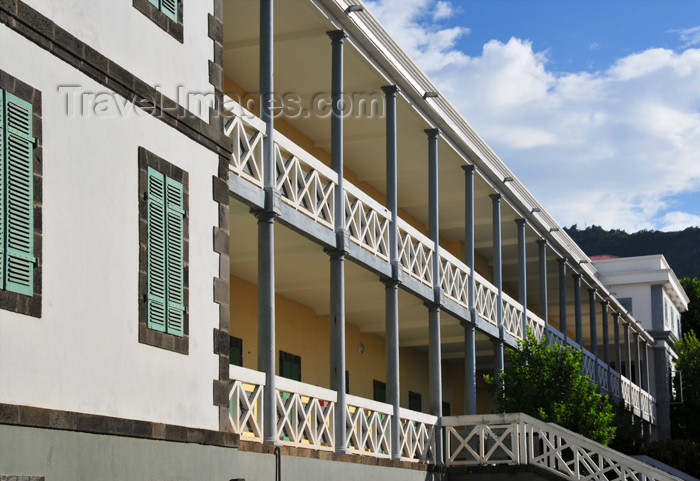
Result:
{"points": [[517, 444]]}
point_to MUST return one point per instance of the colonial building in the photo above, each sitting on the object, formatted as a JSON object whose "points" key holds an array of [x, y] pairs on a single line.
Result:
{"points": [[230, 226], [649, 289]]}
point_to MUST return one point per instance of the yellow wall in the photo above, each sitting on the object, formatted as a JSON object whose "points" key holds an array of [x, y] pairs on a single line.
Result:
{"points": [[301, 332]]}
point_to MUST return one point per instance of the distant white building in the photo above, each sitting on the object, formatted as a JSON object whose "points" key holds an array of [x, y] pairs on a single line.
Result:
{"points": [[649, 289]]}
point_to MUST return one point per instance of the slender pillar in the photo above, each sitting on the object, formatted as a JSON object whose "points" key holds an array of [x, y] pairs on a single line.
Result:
{"points": [[392, 284], [628, 353], [606, 342], [638, 359], [592, 304], [645, 366], [337, 255], [266, 230], [266, 320], [435, 357], [618, 346], [470, 328], [435, 375], [542, 250], [606, 333], [562, 299], [522, 271], [497, 270], [433, 209], [392, 362], [390, 92], [577, 310]]}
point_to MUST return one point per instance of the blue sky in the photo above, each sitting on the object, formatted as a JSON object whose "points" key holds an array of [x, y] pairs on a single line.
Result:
{"points": [[594, 104]]}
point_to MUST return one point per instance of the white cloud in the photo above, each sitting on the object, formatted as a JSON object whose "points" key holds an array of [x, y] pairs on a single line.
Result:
{"points": [[442, 11], [673, 221], [610, 148], [419, 33], [691, 36]]}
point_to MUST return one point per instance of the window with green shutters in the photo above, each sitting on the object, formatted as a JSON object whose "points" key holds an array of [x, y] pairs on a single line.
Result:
{"points": [[168, 7], [163, 253], [166, 216], [17, 258], [290, 366]]}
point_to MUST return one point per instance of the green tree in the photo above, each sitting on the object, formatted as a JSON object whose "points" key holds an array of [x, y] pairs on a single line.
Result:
{"points": [[685, 416], [690, 320], [546, 382], [628, 431]]}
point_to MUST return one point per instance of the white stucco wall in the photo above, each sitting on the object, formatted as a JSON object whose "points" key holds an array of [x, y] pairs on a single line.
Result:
{"points": [[641, 301], [83, 354], [671, 315], [125, 35]]}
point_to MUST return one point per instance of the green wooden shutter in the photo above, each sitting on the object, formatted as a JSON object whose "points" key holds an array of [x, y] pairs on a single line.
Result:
{"points": [[156, 251], [169, 7], [19, 196], [155, 3], [175, 213], [2, 189]]}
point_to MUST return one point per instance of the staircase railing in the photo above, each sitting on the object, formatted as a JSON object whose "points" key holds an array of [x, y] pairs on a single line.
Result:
{"points": [[519, 439]]}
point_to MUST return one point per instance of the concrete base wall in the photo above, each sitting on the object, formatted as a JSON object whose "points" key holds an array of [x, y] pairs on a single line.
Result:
{"points": [[74, 456]]}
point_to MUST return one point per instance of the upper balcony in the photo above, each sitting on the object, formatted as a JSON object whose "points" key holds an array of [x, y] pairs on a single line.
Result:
{"points": [[307, 188]]}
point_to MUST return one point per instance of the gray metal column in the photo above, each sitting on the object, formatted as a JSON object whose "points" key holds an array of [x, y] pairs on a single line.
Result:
{"points": [[606, 342], [470, 328], [434, 354], [497, 271], [522, 271], [618, 345], [592, 304], [390, 92], [393, 391], [392, 284], [628, 353], [435, 375], [606, 333], [266, 229], [433, 207], [562, 299], [645, 367], [542, 251], [337, 255], [578, 316], [638, 360]]}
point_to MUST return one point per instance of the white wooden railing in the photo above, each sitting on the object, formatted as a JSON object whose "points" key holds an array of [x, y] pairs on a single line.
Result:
{"points": [[367, 221], [415, 253], [518, 439], [614, 386], [368, 427], [603, 378], [246, 132], [588, 365], [305, 415], [486, 299], [481, 440], [417, 436], [554, 336], [305, 183], [454, 278], [245, 402], [536, 324], [512, 316]]}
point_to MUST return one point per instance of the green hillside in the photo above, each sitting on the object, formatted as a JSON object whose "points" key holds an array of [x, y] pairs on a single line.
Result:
{"points": [[681, 249]]}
